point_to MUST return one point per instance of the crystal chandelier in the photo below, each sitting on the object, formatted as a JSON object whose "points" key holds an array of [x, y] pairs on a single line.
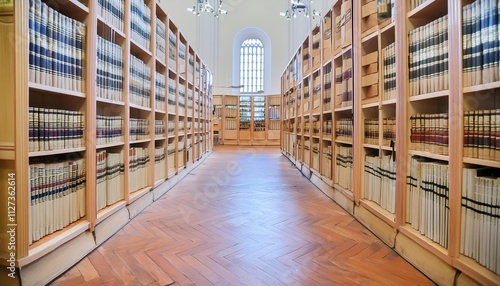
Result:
{"points": [[297, 7], [205, 6]]}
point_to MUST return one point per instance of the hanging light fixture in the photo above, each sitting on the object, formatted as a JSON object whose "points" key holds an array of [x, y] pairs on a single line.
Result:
{"points": [[205, 6], [297, 7]]}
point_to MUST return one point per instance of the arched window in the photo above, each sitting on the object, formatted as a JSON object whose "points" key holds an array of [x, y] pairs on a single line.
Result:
{"points": [[252, 61], [252, 66]]}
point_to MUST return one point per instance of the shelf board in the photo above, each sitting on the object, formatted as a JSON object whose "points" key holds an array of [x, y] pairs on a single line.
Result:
{"points": [[371, 146], [116, 31], [55, 90], [482, 87], [432, 95], [425, 242], [476, 271], [139, 107], [170, 136], [327, 138], [108, 101], [482, 162], [387, 148], [430, 9], [110, 145], [378, 211], [161, 63], [429, 155], [344, 191], [56, 152], [391, 101], [343, 108], [370, 104], [369, 34], [343, 142], [109, 210], [388, 27], [327, 180], [160, 138], [140, 141], [137, 194], [160, 111], [139, 50], [54, 240]]}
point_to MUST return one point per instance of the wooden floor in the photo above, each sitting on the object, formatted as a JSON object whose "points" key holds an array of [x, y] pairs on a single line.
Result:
{"points": [[246, 216]]}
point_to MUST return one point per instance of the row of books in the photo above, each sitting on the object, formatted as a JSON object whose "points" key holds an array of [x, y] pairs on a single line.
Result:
{"points": [[343, 166], [343, 129], [160, 83], [139, 129], [480, 224], [109, 76], [181, 127], [172, 95], [112, 12], [230, 111], [110, 178], [327, 87], [172, 50], [161, 40], [316, 127], [327, 127], [57, 195], [481, 56], [140, 82], [159, 128], [274, 125], [389, 69], [274, 113], [389, 131], [428, 57], [181, 101], [372, 131], [230, 123], [427, 198], [415, 3], [379, 184], [109, 129], [429, 132], [189, 102], [160, 167], [138, 168], [182, 56], [171, 128], [326, 164], [482, 134], [54, 129], [343, 82], [343, 25], [315, 156], [190, 63], [140, 23], [171, 154], [56, 48]]}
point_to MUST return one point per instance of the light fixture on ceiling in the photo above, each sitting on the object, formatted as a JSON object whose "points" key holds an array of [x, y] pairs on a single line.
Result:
{"points": [[297, 7], [205, 6]]}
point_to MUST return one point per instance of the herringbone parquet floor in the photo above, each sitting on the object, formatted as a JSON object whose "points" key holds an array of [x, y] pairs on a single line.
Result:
{"points": [[244, 217]]}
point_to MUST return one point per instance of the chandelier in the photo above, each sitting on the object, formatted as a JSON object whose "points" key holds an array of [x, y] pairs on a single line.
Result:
{"points": [[298, 8], [205, 6]]}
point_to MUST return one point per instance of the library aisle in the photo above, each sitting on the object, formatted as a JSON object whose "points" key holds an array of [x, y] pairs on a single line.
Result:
{"points": [[244, 216]]}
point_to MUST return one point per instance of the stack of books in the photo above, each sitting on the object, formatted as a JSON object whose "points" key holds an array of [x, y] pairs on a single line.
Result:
{"points": [[327, 127], [327, 88], [429, 132], [480, 239], [160, 84], [372, 131], [172, 95], [140, 23], [343, 166], [110, 177], [389, 129], [109, 129], [161, 40], [343, 129], [57, 195], [112, 12], [109, 76], [182, 99], [389, 69], [138, 168], [139, 129], [140, 83], [56, 48], [159, 128], [182, 57], [428, 57], [159, 162], [172, 50], [427, 198], [379, 184], [482, 134], [481, 58], [54, 129]]}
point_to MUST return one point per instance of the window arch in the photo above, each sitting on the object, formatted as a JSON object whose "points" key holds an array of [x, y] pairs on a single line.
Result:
{"points": [[252, 66], [252, 61]]}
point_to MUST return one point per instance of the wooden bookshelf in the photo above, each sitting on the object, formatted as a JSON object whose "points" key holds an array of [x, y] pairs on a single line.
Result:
{"points": [[95, 100], [387, 101]]}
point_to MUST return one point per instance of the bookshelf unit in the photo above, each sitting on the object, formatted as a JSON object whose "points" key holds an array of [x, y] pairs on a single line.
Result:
{"points": [[393, 123], [121, 140]]}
